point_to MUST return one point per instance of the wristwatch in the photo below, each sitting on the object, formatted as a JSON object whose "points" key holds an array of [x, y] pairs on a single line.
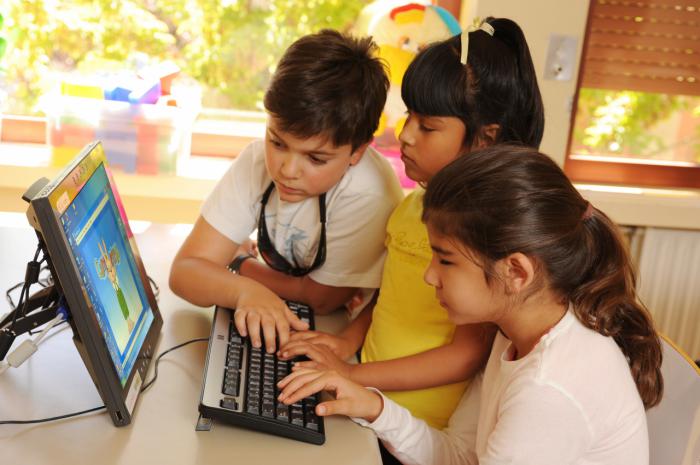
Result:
{"points": [[235, 265]]}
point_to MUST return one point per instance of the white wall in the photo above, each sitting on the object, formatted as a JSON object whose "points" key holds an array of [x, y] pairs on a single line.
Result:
{"points": [[539, 19]]}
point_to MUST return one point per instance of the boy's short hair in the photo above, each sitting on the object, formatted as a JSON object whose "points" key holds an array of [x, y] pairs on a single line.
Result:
{"points": [[329, 84]]}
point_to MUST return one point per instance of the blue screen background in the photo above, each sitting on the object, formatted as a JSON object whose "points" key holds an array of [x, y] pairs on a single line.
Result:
{"points": [[93, 226]]}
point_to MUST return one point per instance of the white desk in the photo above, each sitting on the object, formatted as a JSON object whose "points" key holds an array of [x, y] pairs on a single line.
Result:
{"points": [[54, 382]]}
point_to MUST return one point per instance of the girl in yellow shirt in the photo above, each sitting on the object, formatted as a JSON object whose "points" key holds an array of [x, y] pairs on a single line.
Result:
{"points": [[457, 101]]}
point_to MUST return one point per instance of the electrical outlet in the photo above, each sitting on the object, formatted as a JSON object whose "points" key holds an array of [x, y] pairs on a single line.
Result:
{"points": [[561, 57]]}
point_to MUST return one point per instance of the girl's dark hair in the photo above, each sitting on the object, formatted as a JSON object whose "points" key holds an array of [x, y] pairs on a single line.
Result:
{"points": [[329, 84], [498, 85], [506, 199]]}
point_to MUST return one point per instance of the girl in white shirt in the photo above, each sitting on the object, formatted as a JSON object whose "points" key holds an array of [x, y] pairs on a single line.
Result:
{"points": [[576, 360]]}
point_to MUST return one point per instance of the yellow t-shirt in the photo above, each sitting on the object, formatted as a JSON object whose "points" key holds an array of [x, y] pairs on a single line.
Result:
{"points": [[407, 318]]}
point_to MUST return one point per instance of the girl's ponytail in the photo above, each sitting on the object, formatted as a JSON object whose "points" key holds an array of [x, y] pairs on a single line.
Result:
{"points": [[528, 103], [605, 301]]}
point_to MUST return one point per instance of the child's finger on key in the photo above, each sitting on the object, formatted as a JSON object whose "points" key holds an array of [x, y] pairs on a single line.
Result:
{"points": [[268, 328], [253, 324]]}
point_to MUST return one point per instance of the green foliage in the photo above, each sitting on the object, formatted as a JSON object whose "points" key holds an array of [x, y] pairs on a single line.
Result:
{"points": [[624, 122], [229, 47], [3, 41]]}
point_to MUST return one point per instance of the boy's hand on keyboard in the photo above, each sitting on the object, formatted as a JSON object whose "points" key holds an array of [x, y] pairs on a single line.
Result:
{"points": [[351, 399], [258, 309], [341, 347], [321, 357]]}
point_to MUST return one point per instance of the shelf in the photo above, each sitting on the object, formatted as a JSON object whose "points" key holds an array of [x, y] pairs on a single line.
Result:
{"points": [[159, 198]]}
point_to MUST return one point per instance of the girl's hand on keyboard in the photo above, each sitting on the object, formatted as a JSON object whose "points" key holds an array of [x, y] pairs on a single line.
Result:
{"points": [[259, 309], [321, 357], [341, 347], [351, 399]]}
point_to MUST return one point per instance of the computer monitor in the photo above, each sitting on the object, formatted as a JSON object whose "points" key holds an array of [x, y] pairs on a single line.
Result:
{"points": [[96, 265]]}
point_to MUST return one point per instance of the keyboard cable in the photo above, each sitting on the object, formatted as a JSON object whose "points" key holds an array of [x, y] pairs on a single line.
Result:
{"points": [[95, 409]]}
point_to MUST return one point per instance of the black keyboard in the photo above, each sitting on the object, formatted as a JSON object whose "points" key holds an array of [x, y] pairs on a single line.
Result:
{"points": [[247, 379]]}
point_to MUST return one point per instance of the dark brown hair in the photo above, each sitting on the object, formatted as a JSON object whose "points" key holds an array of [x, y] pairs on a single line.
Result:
{"points": [[506, 199], [497, 86], [329, 84]]}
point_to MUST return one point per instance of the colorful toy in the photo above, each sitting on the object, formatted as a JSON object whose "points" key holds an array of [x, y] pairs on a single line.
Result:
{"points": [[165, 72], [82, 88], [400, 32], [145, 92], [135, 115]]}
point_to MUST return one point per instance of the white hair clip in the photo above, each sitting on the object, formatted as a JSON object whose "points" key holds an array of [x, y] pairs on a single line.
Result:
{"points": [[483, 26]]}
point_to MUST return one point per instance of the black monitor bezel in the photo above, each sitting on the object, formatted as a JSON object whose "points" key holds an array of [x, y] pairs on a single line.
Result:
{"points": [[46, 219]]}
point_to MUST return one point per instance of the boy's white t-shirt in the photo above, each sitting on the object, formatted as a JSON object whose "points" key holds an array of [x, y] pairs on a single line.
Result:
{"points": [[572, 400], [357, 209]]}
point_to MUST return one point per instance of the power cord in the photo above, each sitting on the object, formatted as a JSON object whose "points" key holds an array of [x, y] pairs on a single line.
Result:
{"points": [[27, 348], [31, 276], [44, 420], [155, 369], [94, 409], [44, 279]]}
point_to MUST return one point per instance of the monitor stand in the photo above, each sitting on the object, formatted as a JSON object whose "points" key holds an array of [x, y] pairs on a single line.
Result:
{"points": [[38, 309]]}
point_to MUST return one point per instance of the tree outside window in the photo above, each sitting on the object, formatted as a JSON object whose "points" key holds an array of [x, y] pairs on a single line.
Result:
{"points": [[228, 47], [637, 118]]}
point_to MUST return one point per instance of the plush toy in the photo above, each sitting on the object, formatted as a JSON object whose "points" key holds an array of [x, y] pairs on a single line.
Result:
{"points": [[400, 31]]}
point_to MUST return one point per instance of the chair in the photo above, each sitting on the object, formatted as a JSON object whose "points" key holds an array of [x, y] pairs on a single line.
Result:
{"points": [[674, 424]]}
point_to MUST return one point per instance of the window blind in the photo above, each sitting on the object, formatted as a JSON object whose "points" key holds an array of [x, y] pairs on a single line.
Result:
{"points": [[647, 46]]}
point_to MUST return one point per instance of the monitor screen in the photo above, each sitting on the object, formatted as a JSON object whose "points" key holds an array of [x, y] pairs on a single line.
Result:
{"points": [[98, 241], [96, 264]]}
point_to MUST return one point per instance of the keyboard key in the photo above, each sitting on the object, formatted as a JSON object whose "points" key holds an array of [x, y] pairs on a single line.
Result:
{"points": [[268, 409], [282, 413], [229, 403], [312, 423], [268, 393], [297, 415], [231, 390], [252, 407]]}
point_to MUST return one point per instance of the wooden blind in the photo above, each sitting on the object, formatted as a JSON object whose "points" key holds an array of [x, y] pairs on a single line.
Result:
{"points": [[643, 45]]}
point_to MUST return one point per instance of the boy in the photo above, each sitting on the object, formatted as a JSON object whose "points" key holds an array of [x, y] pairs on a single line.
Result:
{"points": [[318, 194]]}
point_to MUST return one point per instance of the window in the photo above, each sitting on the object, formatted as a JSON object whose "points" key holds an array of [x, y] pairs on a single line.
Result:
{"points": [[228, 47], [637, 118]]}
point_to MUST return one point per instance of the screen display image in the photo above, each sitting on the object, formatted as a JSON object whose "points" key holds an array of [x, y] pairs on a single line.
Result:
{"points": [[98, 239]]}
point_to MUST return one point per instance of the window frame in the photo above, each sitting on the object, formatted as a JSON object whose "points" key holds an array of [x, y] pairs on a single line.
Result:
{"points": [[634, 172]]}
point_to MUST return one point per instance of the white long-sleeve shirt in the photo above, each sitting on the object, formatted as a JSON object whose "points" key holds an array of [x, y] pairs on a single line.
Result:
{"points": [[571, 400]]}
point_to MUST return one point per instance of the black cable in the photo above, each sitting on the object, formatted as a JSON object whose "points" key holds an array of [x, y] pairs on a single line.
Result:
{"points": [[8, 294], [154, 286], [155, 370], [94, 409], [21, 303], [25, 288], [43, 420]]}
